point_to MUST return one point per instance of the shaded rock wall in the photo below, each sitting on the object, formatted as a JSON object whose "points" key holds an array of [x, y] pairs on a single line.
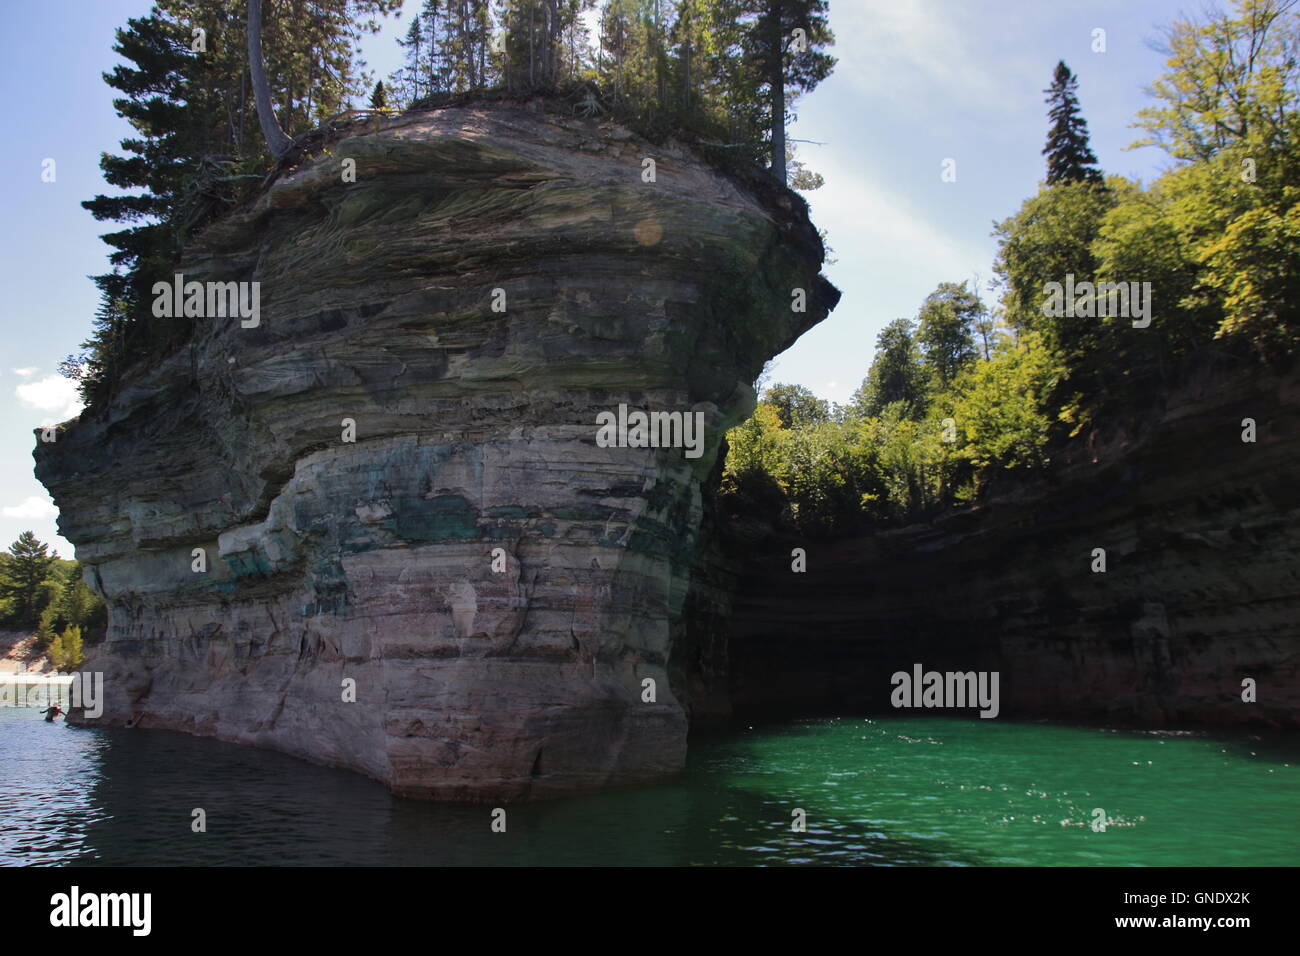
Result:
{"points": [[371, 561], [1202, 587]]}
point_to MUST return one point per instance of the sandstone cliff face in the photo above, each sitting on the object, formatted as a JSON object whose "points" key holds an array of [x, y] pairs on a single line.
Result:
{"points": [[371, 561], [1202, 587]]}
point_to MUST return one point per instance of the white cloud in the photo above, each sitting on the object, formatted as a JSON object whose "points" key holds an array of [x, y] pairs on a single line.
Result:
{"points": [[921, 50], [867, 221], [52, 394], [26, 372], [32, 507]]}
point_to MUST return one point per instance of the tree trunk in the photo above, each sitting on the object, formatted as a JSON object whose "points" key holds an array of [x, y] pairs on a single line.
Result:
{"points": [[484, 35], [467, 45], [277, 141], [686, 76], [433, 52], [777, 80]]}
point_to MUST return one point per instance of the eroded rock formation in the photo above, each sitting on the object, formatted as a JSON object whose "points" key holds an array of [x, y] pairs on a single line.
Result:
{"points": [[371, 561]]}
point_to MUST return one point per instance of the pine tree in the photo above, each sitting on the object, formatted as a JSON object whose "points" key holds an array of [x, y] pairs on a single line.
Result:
{"points": [[25, 574], [466, 34], [782, 43], [409, 77], [685, 40], [1069, 157], [379, 98], [617, 53], [195, 148], [436, 70], [533, 31]]}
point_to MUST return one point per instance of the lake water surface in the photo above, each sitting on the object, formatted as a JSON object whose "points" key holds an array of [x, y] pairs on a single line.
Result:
{"points": [[878, 791]]}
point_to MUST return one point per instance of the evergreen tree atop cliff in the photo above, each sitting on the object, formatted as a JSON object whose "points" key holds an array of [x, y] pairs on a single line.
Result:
{"points": [[1069, 157]]}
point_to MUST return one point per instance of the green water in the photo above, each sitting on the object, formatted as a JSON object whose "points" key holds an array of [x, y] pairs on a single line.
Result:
{"points": [[897, 791]]}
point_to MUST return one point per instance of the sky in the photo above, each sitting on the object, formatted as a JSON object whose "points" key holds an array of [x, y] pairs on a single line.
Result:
{"points": [[918, 82]]}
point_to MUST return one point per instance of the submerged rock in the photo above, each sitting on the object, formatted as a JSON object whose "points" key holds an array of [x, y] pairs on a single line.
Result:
{"points": [[369, 568]]}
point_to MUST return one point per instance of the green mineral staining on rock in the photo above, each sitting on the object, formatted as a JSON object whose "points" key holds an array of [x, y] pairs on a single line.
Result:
{"points": [[441, 518], [514, 512], [585, 512], [245, 563]]}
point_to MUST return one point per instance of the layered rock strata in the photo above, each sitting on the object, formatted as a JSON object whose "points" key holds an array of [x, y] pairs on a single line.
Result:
{"points": [[492, 282]]}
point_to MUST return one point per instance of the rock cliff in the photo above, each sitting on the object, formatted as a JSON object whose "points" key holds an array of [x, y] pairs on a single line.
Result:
{"points": [[1201, 533], [492, 281]]}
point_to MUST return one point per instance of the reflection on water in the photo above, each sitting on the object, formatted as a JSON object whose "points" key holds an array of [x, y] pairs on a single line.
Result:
{"points": [[903, 791]]}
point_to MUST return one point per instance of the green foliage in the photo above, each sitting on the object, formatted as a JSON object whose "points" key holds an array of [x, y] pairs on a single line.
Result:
{"points": [[42, 591], [797, 406], [1231, 80], [1050, 237], [946, 330], [80, 606], [998, 407], [897, 374], [24, 580], [1049, 240], [535, 43], [45, 628], [754, 446], [1227, 112], [825, 476], [769, 68], [1255, 266], [65, 650], [814, 474], [829, 471], [721, 72], [1217, 238]]}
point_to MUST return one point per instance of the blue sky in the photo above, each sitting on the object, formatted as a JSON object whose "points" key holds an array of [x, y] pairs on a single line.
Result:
{"points": [[918, 82]]}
